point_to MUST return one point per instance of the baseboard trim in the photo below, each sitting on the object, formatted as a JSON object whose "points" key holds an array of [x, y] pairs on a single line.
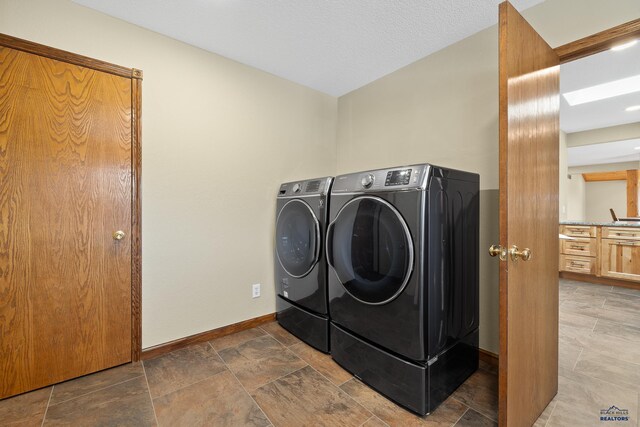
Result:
{"points": [[489, 357], [160, 349], [599, 280]]}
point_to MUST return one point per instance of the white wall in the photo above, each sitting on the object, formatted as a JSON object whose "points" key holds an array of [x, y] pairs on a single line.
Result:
{"points": [[601, 196], [563, 175], [218, 138], [576, 210], [591, 201], [444, 109], [608, 134]]}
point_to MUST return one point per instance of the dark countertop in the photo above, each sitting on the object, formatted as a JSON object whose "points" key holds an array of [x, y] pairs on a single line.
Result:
{"points": [[603, 224]]}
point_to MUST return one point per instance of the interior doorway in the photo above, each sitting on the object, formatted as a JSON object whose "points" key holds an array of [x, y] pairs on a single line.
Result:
{"points": [[599, 289]]}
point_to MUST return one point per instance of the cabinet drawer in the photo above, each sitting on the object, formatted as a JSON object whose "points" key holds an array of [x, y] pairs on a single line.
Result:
{"points": [[620, 233], [581, 247], [577, 264], [578, 230]]}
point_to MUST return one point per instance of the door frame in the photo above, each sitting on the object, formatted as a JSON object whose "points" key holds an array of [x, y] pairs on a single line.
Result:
{"points": [[568, 52], [598, 42], [135, 76]]}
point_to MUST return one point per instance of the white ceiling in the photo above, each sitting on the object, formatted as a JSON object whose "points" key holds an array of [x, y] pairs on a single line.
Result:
{"points": [[334, 46], [610, 152], [593, 70]]}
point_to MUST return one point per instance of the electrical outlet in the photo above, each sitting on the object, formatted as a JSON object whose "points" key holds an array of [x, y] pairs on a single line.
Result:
{"points": [[255, 290]]}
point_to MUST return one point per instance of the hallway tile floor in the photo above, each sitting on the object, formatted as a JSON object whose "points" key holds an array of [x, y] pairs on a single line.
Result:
{"points": [[265, 376], [599, 355]]}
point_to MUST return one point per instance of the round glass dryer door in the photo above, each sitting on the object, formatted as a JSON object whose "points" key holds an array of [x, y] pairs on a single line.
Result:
{"points": [[297, 238], [370, 248]]}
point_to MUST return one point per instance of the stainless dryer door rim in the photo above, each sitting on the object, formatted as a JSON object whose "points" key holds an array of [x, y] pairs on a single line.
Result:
{"points": [[329, 253], [316, 256]]}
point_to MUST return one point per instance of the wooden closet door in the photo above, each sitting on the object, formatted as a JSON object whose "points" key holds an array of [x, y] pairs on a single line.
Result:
{"points": [[65, 188]]}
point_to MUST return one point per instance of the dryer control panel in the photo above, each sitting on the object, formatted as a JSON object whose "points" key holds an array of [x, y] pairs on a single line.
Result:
{"points": [[398, 177], [392, 179]]}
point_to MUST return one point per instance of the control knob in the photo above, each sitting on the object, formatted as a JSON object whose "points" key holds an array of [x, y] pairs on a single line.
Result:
{"points": [[297, 188], [367, 180]]}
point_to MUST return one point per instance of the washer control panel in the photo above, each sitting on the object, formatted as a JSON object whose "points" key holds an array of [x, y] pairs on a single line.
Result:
{"points": [[311, 187]]}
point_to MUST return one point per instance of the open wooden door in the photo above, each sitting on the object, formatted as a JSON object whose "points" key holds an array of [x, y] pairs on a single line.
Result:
{"points": [[529, 146]]}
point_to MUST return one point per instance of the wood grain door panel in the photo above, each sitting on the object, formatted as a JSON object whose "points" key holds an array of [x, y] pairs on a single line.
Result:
{"points": [[529, 148], [65, 187]]}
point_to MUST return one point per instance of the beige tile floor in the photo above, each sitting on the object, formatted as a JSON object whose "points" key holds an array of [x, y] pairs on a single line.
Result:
{"points": [[599, 360], [265, 376], [259, 377]]}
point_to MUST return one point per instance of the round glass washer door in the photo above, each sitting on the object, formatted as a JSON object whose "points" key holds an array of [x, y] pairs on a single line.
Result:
{"points": [[297, 238], [370, 248]]}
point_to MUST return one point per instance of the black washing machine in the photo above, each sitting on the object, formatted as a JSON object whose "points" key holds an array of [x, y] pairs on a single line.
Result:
{"points": [[402, 248], [300, 264]]}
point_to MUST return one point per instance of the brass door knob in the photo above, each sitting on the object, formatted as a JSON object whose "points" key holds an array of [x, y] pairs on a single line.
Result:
{"points": [[497, 250], [118, 235], [524, 254]]}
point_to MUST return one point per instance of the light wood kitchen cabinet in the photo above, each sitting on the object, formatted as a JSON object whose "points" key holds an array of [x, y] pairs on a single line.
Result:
{"points": [[601, 251], [579, 255], [620, 253]]}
